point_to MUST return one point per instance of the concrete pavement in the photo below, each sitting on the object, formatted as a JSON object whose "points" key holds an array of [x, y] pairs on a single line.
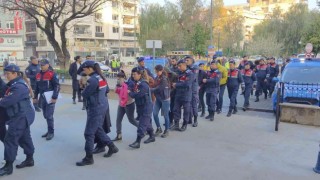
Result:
{"points": [[243, 147]]}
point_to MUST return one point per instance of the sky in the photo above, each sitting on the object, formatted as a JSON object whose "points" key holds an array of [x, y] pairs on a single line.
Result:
{"points": [[312, 3]]}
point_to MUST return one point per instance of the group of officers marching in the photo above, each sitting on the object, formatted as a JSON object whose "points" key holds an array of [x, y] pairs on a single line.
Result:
{"points": [[187, 84]]}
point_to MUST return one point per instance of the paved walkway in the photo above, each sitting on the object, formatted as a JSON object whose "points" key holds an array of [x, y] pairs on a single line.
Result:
{"points": [[243, 147]]}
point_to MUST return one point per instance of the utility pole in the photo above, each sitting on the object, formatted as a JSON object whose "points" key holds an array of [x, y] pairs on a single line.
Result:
{"points": [[135, 30], [211, 22]]}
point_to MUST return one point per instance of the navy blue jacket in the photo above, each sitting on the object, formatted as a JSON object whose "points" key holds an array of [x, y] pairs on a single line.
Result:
{"points": [[141, 94], [31, 72], [162, 89], [273, 71], [234, 78], [184, 86], [47, 81], [17, 102], [3, 88], [261, 71], [242, 64], [249, 77], [213, 81], [95, 93], [195, 70]]}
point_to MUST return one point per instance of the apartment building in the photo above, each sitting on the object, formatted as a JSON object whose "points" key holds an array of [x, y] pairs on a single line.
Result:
{"points": [[11, 35]]}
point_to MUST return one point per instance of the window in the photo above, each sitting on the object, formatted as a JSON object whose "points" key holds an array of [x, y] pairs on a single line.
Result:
{"points": [[115, 17], [31, 38], [98, 29], [115, 30], [43, 42], [98, 16], [10, 25], [31, 27], [114, 4]]}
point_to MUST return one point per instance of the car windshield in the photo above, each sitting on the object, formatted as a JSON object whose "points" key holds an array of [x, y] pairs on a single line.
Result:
{"points": [[305, 74]]}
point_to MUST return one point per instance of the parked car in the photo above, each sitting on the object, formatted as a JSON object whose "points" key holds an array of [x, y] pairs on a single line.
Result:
{"points": [[299, 83], [105, 69]]}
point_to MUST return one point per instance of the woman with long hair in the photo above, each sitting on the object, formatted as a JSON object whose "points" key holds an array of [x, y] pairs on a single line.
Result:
{"points": [[96, 106], [162, 94]]}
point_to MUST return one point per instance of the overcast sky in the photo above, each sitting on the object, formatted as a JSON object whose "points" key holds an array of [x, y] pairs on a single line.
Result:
{"points": [[312, 3]]}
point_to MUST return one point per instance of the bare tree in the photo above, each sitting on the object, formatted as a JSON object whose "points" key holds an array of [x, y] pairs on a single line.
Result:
{"points": [[55, 16]]}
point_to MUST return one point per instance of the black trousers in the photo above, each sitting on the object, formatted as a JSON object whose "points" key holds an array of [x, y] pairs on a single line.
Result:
{"points": [[201, 100]]}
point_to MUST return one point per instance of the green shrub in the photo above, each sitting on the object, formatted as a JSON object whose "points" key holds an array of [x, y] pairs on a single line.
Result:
{"points": [[62, 72]]}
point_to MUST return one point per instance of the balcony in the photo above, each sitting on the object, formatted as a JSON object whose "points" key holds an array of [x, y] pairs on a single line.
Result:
{"points": [[128, 34], [83, 33], [31, 43], [99, 34]]}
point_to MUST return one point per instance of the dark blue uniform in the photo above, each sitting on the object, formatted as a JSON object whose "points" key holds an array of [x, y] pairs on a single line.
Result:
{"points": [[202, 75], [234, 80], [172, 75], [212, 90], [141, 94], [243, 63], [47, 81], [183, 96], [261, 74], [96, 106], [3, 114], [21, 115], [249, 79], [272, 71], [195, 93]]}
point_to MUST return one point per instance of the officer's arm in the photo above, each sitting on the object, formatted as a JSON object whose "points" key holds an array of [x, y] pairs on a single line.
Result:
{"points": [[91, 88], [254, 78], [240, 78], [3, 88], [17, 92], [187, 83], [28, 73], [143, 89], [268, 72], [56, 86], [36, 91]]}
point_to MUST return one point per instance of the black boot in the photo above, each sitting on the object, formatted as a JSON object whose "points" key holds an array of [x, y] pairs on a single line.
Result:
{"points": [[195, 124], [265, 96], [257, 99], [136, 144], [37, 108], [212, 116], [229, 113], [183, 127], [45, 135], [118, 137], [74, 101], [6, 169], [190, 120], [151, 138], [29, 162], [176, 126], [218, 111], [165, 133], [158, 131], [88, 160], [98, 149], [112, 150], [208, 117], [235, 110], [202, 114], [49, 136]]}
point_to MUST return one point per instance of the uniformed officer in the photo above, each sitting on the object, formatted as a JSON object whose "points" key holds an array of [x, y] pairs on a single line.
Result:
{"points": [[250, 80], [96, 106], [3, 114], [272, 71], [195, 91], [142, 95], [21, 115], [212, 85], [142, 66], [183, 96], [244, 61], [47, 82], [261, 74], [234, 80], [31, 72], [202, 89]]}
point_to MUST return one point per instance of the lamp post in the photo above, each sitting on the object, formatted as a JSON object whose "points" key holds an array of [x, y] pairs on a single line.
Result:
{"points": [[211, 22]]}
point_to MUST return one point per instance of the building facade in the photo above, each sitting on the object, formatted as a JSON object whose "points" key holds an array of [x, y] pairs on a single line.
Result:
{"points": [[11, 35]]}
